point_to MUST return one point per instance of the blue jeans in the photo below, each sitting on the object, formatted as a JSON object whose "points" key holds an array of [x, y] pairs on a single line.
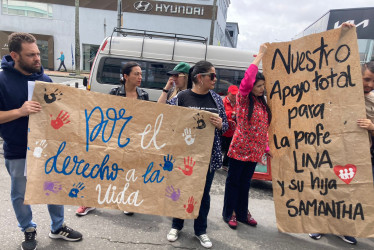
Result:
{"points": [[201, 222], [238, 182], [23, 212]]}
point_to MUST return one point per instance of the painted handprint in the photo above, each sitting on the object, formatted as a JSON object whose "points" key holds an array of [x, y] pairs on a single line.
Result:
{"points": [[190, 205], [40, 146], [188, 136], [200, 121], [62, 118], [75, 190], [51, 97], [188, 166], [52, 186], [172, 193], [168, 163]]}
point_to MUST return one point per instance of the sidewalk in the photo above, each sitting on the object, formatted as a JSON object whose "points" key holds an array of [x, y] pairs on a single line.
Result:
{"points": [[66, 74]]}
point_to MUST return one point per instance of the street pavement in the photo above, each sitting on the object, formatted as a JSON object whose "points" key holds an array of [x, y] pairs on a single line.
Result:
{"points": [[65, 74], [67, 78], [111, 229]]}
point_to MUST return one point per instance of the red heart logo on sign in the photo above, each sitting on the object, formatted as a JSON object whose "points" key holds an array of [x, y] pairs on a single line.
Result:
{"points": [[345, 173]]}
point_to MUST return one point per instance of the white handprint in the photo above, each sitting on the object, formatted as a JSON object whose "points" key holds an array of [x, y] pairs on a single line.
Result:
{"points": [[188, 136], [41, 145]]}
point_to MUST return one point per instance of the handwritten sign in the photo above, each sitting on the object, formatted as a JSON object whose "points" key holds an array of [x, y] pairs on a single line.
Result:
{"points": [[322, 177], [100, 150]]}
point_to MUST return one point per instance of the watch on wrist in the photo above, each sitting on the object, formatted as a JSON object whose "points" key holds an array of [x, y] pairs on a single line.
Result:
{"points": [[165, 90]]}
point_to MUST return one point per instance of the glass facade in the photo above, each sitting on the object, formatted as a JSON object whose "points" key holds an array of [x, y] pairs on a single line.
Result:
{"points": [[43, 47], [89, 53], [366, 50], [26, 8]]}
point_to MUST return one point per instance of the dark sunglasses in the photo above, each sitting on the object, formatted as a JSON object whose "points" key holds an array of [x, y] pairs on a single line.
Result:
{"points": [[212, 75]]}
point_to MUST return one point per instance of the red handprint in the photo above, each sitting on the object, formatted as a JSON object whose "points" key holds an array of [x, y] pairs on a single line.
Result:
{"points": [[190, 205], [61, 119], [188, 167]]}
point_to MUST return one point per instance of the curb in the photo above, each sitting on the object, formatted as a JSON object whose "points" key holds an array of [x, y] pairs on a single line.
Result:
{"points": [[65, 74]]}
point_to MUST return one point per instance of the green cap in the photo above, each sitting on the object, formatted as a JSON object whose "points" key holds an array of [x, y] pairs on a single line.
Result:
{"points": [[182, 67]]}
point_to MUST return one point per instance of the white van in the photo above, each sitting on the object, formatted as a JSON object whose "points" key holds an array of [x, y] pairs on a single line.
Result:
{"points": [[157, 53]]}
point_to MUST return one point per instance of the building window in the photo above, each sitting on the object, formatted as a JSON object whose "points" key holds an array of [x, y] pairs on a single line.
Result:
{"points": [[26, 8], [366, 50], [89, 53], [43, 48]]}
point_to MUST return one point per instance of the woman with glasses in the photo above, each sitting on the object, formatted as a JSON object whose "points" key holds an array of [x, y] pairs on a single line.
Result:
{"points": [[248, 145], [201, 96], [178, 81]]}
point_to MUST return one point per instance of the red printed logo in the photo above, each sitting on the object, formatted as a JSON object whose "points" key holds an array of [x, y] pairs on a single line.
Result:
{"points": [[346, 173]]}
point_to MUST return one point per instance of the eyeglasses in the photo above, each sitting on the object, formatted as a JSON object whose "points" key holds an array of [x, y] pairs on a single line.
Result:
{"points": [[212, 75]]}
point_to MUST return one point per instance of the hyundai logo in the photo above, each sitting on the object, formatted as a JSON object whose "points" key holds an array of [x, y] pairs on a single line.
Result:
{"points": [[143, 6]]}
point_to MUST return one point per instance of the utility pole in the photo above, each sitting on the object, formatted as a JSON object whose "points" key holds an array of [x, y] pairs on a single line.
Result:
{"points": [[104, 27], [77, 40], [213, 22], [119, 14]]}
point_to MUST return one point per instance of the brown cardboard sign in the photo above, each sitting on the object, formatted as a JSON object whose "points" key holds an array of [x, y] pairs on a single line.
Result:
{"points": [[100, 150], [322, 174]]}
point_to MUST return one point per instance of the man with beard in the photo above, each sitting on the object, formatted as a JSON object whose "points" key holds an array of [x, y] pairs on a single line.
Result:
{"points": [[367, 70], [23, 65]]}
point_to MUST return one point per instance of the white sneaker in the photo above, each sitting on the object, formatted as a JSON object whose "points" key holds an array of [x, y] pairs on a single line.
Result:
{"points": [[205, 241], [173, 235], [128, 213]]}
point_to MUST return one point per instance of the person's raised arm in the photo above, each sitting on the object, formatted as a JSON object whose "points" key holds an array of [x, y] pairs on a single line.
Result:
{"points": [[249, 79], [164, 93]]}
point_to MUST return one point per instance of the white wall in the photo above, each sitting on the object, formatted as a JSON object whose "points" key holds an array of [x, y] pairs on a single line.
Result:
{"points": [[62, 28], [180, 25]]}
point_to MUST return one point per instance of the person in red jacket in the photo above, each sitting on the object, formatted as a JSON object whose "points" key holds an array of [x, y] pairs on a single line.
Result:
{"points": [[248, 145], [229, 103]]}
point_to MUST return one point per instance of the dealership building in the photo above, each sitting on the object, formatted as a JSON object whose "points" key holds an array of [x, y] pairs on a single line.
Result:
{"points": [[363, 18], [52, 22]]}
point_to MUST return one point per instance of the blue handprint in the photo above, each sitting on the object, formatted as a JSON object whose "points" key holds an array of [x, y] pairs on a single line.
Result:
{"points": [[75, 190], [168, 164]]}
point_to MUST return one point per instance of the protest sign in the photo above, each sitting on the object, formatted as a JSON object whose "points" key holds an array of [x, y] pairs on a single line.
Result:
{"points": [[322, 175], [100, 150]]}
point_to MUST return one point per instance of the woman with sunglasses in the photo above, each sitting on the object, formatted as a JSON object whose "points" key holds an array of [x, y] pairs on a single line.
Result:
{"points": [[248, 145], [202, 96], [178, 81]]}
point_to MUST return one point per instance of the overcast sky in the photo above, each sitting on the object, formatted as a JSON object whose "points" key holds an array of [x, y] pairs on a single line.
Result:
{"points": [[280, 20]]}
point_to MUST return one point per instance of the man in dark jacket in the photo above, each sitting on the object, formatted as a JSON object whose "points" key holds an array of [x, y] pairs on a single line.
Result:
{"points": [[23, 65]]}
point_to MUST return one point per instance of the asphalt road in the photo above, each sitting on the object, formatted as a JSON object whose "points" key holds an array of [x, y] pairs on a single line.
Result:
{"points": [[111, 229], [69, 81]]}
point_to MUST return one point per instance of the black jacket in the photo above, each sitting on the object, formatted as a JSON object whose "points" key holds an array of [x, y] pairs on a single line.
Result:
{"points": [[120, 91]]}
